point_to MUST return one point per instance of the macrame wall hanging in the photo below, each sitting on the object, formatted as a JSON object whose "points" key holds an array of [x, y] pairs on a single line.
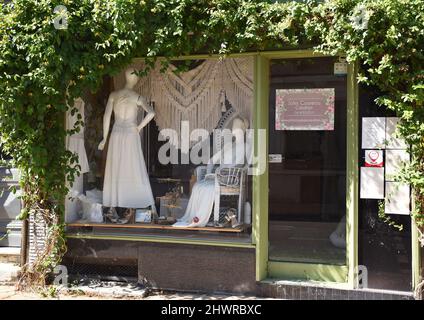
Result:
{"points": [[198, 95]]}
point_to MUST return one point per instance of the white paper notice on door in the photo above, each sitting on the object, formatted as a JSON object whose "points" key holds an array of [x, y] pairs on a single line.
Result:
{"points": [[372, 183], [395, 160], [393, 141], [397, 198], [373, 132]]}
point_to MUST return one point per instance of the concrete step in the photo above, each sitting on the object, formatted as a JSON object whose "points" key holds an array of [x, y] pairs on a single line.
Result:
{"points": [[10, 255], [8, 272], [311, 290]]}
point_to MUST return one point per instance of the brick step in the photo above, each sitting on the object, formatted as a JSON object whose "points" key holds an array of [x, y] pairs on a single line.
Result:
{"points": [[9, 272], [10, 255], [305, 290]]}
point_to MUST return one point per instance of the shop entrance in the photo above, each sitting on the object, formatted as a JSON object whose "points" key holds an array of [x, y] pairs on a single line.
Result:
{"points": [[307, 164]]}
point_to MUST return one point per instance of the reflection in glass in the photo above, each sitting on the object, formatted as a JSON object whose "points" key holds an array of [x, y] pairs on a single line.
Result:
{"points": [[307, 188]]}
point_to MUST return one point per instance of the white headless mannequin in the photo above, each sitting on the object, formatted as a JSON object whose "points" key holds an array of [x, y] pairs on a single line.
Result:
{"points": [[121, 112], [126, 181], [199, 208]]}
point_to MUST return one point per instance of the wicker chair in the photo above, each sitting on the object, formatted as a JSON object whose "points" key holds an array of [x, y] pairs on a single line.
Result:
{"points": [[229, 181]]}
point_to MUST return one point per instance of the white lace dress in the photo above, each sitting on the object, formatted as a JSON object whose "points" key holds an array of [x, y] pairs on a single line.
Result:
{"points": [[126, 182]]}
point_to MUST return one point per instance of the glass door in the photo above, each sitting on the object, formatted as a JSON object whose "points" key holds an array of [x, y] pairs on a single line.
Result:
{"points": [[307, 162]]}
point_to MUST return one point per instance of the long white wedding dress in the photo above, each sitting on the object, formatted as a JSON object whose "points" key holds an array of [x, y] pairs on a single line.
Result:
{"points": [[199, 207], [126, 182], [202, 198]]}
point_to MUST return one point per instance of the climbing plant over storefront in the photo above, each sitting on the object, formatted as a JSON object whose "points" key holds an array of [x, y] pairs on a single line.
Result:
{"points": [[43, 68]]}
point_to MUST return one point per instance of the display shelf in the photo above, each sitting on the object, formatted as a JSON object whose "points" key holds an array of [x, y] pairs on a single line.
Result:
{"points": [[81, 224]]}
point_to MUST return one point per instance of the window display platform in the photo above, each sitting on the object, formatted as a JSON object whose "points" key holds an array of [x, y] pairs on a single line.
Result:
{"points": [[155, 226], [174, 235]]}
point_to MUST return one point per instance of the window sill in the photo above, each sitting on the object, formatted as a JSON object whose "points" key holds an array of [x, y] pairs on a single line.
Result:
{"points": [[154, 226], [161, 234]]}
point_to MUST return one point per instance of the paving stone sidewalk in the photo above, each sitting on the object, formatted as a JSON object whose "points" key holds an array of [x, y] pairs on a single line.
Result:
{"points": [[110, 291]]}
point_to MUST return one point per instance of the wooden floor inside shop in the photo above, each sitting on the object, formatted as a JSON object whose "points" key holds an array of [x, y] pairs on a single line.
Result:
{"points": [[304, 242]]}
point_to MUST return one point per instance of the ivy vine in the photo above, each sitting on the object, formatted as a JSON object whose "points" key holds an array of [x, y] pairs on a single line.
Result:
{"points": [[43, 69]]}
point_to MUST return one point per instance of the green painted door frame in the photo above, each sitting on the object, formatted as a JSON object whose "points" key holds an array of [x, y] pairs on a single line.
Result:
{"points": [[260, 181], [303, 271], [352, 176], [417, 277]]}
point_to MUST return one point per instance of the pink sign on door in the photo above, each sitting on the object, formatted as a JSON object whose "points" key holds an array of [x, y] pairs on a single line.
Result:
{"points": [[304, 109]]}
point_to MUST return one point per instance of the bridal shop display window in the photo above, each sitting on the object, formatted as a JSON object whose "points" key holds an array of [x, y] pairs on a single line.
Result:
{"points": [[167, 153]]}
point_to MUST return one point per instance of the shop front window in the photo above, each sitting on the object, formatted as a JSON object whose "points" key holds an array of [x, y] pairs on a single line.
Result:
{"points": [[307, 162], [167, 154]]}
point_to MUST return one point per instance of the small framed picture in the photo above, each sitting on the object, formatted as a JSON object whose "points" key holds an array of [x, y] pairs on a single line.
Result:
{"points": [[143, 216]]}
